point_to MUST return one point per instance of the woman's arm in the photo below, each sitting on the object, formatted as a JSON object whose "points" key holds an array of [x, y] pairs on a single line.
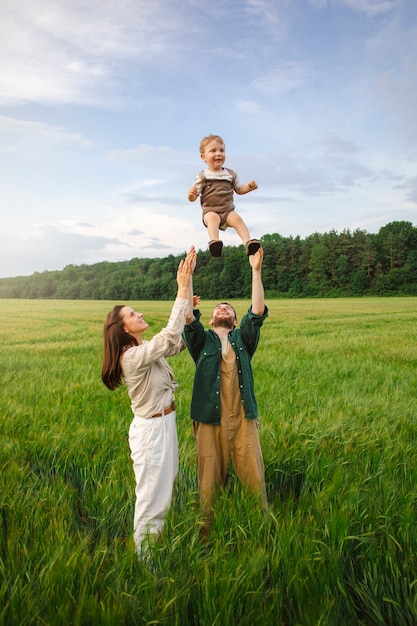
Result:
{"points": [[192, 258]]}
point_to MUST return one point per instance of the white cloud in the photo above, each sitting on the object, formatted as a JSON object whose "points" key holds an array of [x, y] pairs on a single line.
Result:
{"points": [[409, 185], [282, 78], [12, 129], [334, 144], [147, 154], [271, 13], [246, 106], [371, 8], [141, 232], [46, 249], [72, 51]]}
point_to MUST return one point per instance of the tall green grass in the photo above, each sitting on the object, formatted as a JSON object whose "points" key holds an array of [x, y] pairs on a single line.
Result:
{"points": [[336, 382]]}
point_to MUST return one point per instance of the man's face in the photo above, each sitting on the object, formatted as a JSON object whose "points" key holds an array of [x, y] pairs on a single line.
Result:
{"points": [[223, 315]]}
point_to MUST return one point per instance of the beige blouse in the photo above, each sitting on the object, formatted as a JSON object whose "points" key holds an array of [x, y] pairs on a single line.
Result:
{"points": [[148, 377]]}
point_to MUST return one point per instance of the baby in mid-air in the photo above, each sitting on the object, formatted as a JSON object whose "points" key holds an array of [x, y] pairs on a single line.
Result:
{"points": [[215, 186]]}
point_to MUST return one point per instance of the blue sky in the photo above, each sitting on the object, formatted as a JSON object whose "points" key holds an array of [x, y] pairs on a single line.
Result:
{"points": [[103, 105]]}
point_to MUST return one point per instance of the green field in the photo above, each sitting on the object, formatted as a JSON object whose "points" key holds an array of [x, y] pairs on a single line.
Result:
{"points": [[336, 382]]}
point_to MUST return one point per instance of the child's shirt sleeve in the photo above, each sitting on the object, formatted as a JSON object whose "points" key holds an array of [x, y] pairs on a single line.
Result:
{"points": [[199, 184], [237, 184]]}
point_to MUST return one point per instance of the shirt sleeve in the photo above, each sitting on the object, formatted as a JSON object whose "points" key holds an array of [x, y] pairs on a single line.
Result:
{"points": [[166, 343], [194, 335], [237, 185], [198, 184], [179, 347], [250, 327]]}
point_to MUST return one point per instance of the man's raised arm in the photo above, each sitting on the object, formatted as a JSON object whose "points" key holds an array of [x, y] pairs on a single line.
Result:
{"points": [[258, 296]]}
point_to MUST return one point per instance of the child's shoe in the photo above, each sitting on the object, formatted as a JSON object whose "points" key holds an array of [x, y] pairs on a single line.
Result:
{"points": [[252, 246], [215, 247]]}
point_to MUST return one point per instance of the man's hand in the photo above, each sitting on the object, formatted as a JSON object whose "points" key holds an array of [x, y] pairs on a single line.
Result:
{"points": [[256, 259]]}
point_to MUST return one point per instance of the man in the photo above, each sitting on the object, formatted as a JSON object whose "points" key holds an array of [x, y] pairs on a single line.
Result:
{"points": [[223, 406]]}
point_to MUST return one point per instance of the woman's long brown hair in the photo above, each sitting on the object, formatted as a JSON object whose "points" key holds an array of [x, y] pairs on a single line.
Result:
{"points": [[116, 340]]}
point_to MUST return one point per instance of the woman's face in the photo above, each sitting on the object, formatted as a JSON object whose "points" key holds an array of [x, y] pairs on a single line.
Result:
{"points": [[133, 322]]}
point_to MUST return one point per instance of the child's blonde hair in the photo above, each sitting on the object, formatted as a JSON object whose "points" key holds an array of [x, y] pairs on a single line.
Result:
{"points": [[206, 140]]}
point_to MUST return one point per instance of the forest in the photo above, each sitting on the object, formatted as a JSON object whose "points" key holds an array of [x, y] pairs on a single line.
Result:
{"points": [[331, 264]]}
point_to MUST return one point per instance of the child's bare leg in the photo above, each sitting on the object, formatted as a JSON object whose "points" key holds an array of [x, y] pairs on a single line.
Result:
{"points": [[212, 221], [235, 221]]}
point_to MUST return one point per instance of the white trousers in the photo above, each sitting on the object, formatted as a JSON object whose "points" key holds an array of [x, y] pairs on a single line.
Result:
{"points": [[154, 450]]}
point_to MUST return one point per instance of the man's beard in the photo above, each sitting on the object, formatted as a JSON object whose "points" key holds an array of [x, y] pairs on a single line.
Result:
{"points": [[223, 322]]}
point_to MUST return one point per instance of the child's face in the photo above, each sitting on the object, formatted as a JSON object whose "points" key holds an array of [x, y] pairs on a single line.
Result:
{"points": [[214, 154]]}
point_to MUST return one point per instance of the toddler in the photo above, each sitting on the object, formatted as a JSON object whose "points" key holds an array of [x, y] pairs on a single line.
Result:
{"points": [[215, 186]]}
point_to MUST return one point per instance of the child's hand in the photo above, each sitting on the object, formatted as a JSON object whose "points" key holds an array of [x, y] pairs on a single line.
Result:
{"points": [[252, 185], [192, 193], [196, 301]]}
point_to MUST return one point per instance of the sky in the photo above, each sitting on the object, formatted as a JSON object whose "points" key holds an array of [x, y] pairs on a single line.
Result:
{"points": [[103, 105]]}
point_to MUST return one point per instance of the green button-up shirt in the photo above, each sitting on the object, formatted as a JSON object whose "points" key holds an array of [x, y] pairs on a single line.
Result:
{"points": [[206, 350]]}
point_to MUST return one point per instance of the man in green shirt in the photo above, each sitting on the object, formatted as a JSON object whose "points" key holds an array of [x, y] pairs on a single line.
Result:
{"points": [[223, 406]]}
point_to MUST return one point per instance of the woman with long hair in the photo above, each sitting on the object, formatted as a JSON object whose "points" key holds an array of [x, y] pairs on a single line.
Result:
{"points": [[150, 383]]}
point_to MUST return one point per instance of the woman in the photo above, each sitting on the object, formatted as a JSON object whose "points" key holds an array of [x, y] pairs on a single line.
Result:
{"points": [[150, 383]]}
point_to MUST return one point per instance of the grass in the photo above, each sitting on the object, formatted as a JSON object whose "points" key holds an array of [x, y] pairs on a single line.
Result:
{"points": [[336, 388]]}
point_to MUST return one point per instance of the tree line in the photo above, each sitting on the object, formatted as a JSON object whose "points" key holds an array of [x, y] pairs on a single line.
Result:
{"points": [[321, 265]]}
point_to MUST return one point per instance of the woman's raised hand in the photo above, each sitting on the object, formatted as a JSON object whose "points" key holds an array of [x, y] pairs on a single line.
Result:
{"points": [[186, 268], [192, 257]]}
